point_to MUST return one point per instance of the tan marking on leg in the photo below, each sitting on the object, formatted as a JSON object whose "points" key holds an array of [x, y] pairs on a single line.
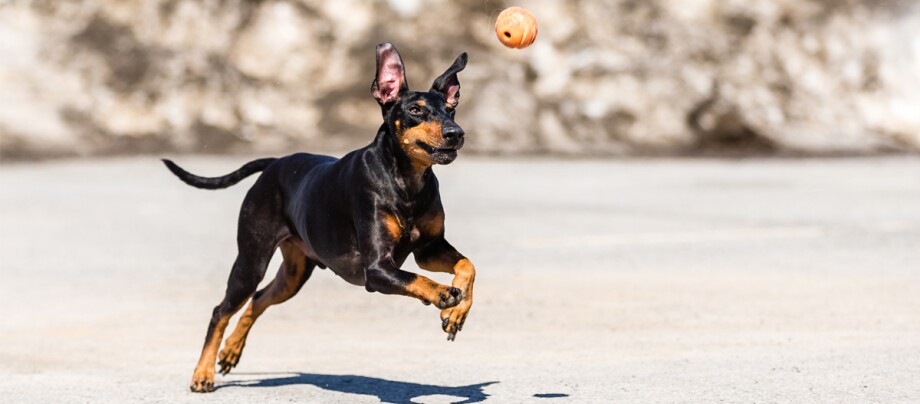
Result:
{"points": [[464, 274], [424, 288], [233, 347], [464, 277], [209, 352], [430, 291], [203, 376], [283, 287]]}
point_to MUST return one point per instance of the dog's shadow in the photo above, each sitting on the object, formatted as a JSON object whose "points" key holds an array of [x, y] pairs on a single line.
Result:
{"points": [[388, 391]]}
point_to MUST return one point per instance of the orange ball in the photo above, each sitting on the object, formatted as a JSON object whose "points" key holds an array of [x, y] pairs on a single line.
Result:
{"points": [[516, 27]]}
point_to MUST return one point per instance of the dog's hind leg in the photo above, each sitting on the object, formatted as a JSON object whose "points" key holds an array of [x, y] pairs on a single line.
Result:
{"points": [[241, 285], [260, 230], [294, 272]]}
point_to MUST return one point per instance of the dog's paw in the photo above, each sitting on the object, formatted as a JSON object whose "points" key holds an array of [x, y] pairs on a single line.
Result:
{"points": [[448, 297], [202, 381], [452, 319], [229, 357]]}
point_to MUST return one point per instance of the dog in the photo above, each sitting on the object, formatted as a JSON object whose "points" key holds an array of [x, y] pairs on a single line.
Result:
{"points": [[360, 215]]}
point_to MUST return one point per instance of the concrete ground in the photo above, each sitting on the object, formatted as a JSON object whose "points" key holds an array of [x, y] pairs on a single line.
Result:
{"points": [[599, 281]]}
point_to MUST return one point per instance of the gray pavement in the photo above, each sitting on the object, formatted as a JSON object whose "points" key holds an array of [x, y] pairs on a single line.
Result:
{"points": [[598, 281]]}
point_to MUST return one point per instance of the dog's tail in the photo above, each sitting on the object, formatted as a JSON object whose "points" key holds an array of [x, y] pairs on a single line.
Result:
{"points": [[246, 170]]}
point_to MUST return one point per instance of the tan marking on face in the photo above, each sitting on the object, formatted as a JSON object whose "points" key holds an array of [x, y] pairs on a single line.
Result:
{"points": [[393, 226], [428, 133], [420, 103]]}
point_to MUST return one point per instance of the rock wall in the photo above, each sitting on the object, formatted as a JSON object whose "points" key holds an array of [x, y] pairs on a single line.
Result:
{"points": [[607, 77]]}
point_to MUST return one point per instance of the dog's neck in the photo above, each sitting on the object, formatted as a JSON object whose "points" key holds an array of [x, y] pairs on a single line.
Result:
{"points": [[408, 176]]}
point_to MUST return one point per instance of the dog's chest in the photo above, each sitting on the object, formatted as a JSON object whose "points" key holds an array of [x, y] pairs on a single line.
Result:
{"points": [[408, 230], [414, 234]]}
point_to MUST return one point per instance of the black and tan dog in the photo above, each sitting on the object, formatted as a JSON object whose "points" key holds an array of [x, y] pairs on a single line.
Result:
{"points": [[360, 216]]}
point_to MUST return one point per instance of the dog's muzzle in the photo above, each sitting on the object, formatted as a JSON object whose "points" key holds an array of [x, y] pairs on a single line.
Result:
{"points": [[441, 155]]}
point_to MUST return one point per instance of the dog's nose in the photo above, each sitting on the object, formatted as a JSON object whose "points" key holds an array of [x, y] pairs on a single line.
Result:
{"points": [[452, 134]]}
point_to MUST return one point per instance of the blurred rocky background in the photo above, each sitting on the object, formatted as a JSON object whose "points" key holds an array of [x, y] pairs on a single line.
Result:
{"points": [[605, 77]]}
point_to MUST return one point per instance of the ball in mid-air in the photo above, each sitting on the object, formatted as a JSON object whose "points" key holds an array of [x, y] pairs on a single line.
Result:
{"points": [[516, 27]]}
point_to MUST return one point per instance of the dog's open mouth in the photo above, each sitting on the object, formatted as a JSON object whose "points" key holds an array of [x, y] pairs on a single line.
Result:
{"points": [[440, 155]]}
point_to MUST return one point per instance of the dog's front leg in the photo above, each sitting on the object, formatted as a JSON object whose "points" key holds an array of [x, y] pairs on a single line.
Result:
{"points": [[440, 256], [385, 278], [376, 243]]}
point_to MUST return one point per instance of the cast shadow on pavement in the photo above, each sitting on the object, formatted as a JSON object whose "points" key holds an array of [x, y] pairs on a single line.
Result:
{"points": [[388, 391]]}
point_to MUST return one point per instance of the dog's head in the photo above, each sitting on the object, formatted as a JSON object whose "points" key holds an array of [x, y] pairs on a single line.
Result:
{"points": [[423, 122]]}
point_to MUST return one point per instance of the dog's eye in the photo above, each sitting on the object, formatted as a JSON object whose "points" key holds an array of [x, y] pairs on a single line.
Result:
{"points": [[414, 110]]}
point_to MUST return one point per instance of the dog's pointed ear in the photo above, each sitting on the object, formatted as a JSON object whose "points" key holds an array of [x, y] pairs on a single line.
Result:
{"points": [[447, 83], [390, 82]]}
